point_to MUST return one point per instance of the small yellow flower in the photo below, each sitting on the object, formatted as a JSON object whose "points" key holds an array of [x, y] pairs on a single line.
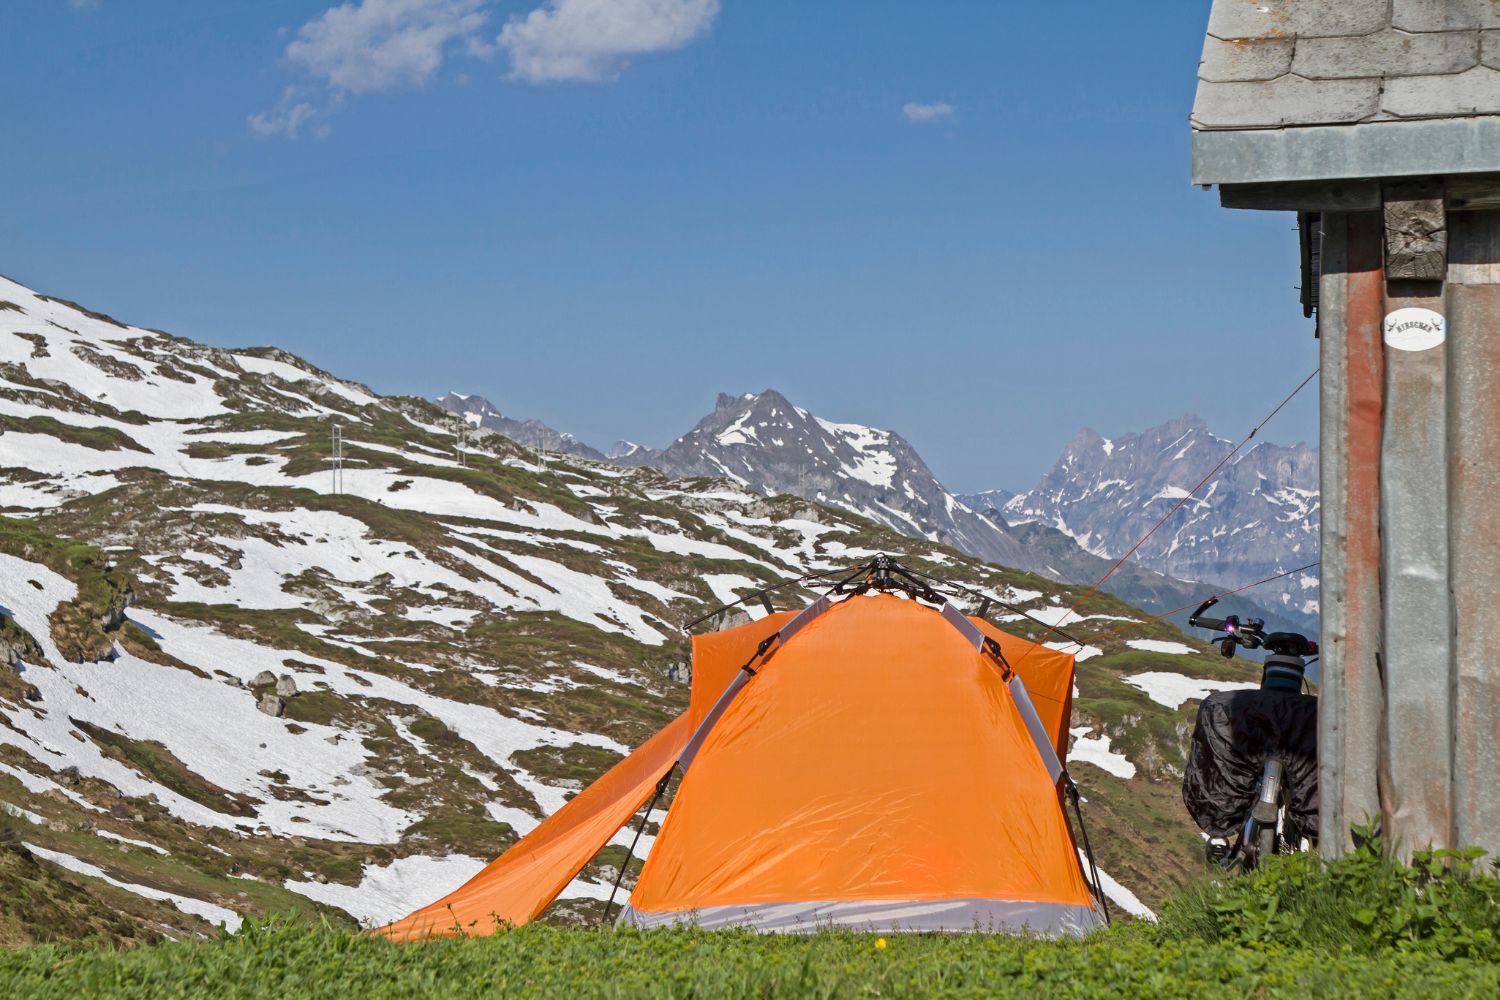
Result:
{"points": [[879, 943]]}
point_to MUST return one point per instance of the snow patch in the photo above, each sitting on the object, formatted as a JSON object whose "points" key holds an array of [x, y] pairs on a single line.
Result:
{"points": [[1118, 894], [389, 892], [1161, 646], [211, 912], [1095, 750], [1173, 690]]}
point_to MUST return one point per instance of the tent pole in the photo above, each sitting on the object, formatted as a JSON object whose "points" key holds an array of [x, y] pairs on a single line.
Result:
{"points": [[1088, 849], [661, 786]]}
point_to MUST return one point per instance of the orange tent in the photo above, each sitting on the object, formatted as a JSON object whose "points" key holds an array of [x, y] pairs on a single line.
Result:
{"points": [[870, 762]]}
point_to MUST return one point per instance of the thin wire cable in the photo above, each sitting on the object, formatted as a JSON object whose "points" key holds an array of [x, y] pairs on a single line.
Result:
{"points": [[756, 594], [1176, 507], [958, 588], [1168, 614]]}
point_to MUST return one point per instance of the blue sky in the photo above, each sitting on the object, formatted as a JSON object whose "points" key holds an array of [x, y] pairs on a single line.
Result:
{"points": [[601, 213]]}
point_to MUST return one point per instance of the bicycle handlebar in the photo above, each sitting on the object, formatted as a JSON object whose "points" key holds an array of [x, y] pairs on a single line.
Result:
{"points": [[1250, 633]]}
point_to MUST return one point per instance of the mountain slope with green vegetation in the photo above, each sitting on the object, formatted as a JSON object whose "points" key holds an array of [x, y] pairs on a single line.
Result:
{"points": [[235, 679]]}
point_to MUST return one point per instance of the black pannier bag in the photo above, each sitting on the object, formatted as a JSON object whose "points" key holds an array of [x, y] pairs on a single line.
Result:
{"points": [[1235, 734]]}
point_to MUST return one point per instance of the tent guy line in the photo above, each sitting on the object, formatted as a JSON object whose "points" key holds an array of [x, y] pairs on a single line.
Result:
{"points": [[1051, 630], [1194, 604]]}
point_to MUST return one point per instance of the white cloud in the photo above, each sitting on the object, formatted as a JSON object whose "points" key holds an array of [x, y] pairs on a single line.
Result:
{"points": [[383, 44], [369, 46], [290, 115], [593, 40], [366, 46], [921, 113]]}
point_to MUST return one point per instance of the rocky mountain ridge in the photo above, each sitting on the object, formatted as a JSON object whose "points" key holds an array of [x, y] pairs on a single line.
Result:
{"points": [[481, 413], [1256, 518], [768, 444]]}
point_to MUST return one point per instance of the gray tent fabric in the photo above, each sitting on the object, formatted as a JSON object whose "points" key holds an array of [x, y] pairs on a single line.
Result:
{"points": [[887, 916]]}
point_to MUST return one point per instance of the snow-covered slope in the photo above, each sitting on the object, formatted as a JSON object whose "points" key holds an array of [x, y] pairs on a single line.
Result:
{"points": [[238, 680]]}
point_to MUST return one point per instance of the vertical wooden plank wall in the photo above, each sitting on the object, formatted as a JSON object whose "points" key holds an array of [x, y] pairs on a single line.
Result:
{"points": [[1418, 640], [1352, 691], [1333, 542], [1410, 440], [1474, 496]]}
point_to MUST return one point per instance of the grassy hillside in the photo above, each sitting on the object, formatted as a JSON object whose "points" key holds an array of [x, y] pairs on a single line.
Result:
{"points": [[1365, 927], [225, 683]]}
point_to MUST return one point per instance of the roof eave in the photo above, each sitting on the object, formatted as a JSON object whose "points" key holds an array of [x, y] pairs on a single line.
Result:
{"points": [[1342, 152]]}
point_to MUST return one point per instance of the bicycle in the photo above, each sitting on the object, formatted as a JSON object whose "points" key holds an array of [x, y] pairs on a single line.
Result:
{"points": [[1251, 783]]}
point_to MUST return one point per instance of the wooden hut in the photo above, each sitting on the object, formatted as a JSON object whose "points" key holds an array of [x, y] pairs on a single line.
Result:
{"points": [[1378, 123]]}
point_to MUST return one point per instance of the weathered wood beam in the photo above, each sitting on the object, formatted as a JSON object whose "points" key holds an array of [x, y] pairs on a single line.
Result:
{"points": [[1472, 192], [1416, 231], [1303, 196]]}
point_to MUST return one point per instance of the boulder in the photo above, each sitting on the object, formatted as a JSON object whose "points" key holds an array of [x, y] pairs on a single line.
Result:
{"points": [[263, 679], [286, 686], [114, 614], [271, 704]]}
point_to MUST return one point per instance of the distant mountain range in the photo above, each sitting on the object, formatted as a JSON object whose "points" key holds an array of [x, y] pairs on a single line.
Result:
{"points": [[986, 500], [1256, 518], [766, 443], [480, 412]]}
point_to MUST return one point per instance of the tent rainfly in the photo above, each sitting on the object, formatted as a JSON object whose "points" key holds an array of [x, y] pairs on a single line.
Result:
{"points": [[872, 762]]}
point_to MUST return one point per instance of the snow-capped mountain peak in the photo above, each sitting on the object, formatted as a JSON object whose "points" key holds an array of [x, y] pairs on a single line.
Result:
{"points": [[1257, 517], [766, 443], [480, 413]]}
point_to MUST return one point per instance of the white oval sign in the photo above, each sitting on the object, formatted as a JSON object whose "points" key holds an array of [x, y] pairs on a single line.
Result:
{"points": [[1415, 329]]}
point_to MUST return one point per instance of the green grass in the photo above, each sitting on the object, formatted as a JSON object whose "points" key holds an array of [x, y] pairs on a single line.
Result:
{"points": [[576, 763], [97, 438], [456, 832], [1446, 902], [281, 959], [1363, 926]]}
